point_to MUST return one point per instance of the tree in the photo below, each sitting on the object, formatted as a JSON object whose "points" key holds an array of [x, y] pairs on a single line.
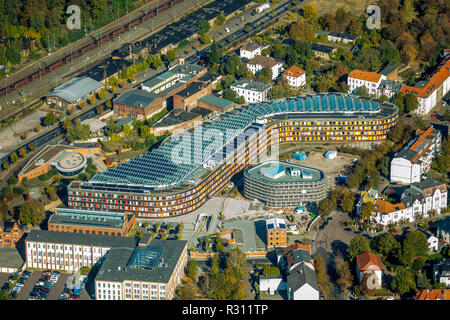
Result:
{"points": [[411, 102], [92, 99], [214, 55], [265, 75], [38, 128], [99, 109], [344, 273], [367, 210], [220, 20], [363, 92], [416, 242], [236, 262], [78, 132], [126, 129], [325, 207], [192, 270], [13, 157], [358, 245], [387, 244], [5, 165], [31, 212], [22, 153], [219, 245], [50, 119], [215, 265], [187, 292], [322, 276], [403, 282], [170, 55], [348, 201], [204, 27], [310, 12], [31, 147], [301, 31]]}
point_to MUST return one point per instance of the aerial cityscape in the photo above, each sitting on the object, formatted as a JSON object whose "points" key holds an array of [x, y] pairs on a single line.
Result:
{"points": [[224, 150]]}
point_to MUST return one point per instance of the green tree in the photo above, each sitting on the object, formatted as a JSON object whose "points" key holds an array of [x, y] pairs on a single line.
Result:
{"points": [[219, 245], [403, 282], [367, 210], [192, 270], [50, 119], [416, 242], [187, 292], [348, 201], [344, 273], [170, 55], [358, 245], [387, 244], [31, 212], [214, 55], [411, 102], [13, 157], [265, 75], [22, 153]]}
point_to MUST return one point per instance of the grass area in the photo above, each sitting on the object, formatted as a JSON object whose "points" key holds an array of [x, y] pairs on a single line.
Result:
{"points": [[357, 7]]}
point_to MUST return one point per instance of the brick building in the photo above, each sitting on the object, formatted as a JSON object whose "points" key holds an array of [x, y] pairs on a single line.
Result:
{"points": [[187, 98], [11, 232], [139, 104], [276, 232]]}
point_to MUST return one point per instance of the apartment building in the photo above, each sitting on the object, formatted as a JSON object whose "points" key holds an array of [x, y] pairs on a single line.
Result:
{"points": [[148, 272], [69, 251], [359, 78], [251, 90], [414, 160], [258, 62], [250, 50], [276, 232], [295, 77]]}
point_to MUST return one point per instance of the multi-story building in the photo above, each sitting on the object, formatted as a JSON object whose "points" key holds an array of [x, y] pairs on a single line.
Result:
{"points": [[368, 264], [389, 88], [139, 104], [295, 77], [258, 62], [359, 78], [182, 173], [250, 50], [276, 232], [91, 222], [414, 160], [431, 91], [67, 251], [418, 200], [284, 185], [252, 90], [441, 272], [11, 232], [149, 272], [443, 229]]}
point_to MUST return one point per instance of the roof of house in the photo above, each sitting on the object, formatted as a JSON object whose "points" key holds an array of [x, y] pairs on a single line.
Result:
{"points": [[343, 35], [365, 75], [388, 69], [444, 224], [425, 294], [94, 124], [296, 245], [8, 225], [187, 68], [366, 259], [252, 85], [127, 120], [75, 89], [156, 80], [263, 61], [322, 48], [430, 185], [137, 98], [191, 89], [275, 223], [107, 68], [294, 71], [382, 206], [250, 46], [119, 264], [417, 147], [216, 101], [10, 258], [301, 275], [441, 73], [80, 239]]}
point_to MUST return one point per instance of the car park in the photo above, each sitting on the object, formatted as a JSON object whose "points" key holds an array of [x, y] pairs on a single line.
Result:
{"points": [[34, 293]]}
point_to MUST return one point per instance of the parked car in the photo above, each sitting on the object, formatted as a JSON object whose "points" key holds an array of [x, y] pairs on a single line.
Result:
{"points": [[62, 297], [34, 293]]}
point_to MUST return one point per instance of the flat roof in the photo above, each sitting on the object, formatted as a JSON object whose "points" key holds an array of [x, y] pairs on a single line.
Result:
{"points": [[70, 160], [216, 101], [10, 258], [259, 170], [116, 266], [137, 98]]}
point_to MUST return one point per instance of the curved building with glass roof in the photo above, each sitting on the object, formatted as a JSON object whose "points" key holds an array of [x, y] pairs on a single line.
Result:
{"points": [[187, 169]]}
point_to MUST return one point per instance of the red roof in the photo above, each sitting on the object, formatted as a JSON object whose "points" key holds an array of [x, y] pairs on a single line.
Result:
{"points": [[295, 246], [365, 75], [425, 294], [367, 259], [294, 71], [437, 78]]}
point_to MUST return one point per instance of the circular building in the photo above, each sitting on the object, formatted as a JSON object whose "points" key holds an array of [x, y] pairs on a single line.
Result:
{"points": [[283, 185], [70, 163]]}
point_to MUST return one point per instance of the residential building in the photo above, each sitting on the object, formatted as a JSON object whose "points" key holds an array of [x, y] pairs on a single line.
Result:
{"points": [[342, 37], [390, 72], [366, 196], [11, 232], [272, 283], [414, 160], [147, 272], [73, 92], [389, 88], [425, 294], [258, 62], [441, 272], [322, 51], [252, 90], [431, 91], [359, 78], [139, 104], [433, 241], [276, 232], [443, 229], [369, 265], [302, 283], [388, 213], [91, 222], [295, 77], [66, 251], [250, 50]]}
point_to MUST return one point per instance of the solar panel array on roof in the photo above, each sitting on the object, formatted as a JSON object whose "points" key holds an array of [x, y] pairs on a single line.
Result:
{"points": [[159, 168], [145, 257]]}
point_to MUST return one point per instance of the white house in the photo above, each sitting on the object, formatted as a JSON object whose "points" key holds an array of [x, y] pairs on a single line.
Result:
{"points": [[341, 37], [295, 77], [272, 283], [369, 264], [258, 62], [251, 90], [302, 283], [414, 160], [250, 50], [262, 7], [441, 272], [359, 78], [430, 92]]}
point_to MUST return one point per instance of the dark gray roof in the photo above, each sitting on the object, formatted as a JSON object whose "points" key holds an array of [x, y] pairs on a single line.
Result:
{"points": [[388, 69], [250, 84], [10, 258], [410, 195], [301, 275], [444, 225], [321, 48], [80, 239], [137, 98], [114, 268]]}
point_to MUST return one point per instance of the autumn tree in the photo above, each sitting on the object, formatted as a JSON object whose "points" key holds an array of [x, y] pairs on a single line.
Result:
{"points": [[309, 12], [192, 270], [322, 276], [31, 212], [344, 273], [301, 31]]}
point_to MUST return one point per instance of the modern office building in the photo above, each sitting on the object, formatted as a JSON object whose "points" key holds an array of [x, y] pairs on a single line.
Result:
{"points": [[187, 169], [284, 185], [148, 272]]}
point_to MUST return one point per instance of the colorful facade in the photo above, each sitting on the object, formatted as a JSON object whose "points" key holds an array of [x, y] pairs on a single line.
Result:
{"points": [[162, 183]]}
